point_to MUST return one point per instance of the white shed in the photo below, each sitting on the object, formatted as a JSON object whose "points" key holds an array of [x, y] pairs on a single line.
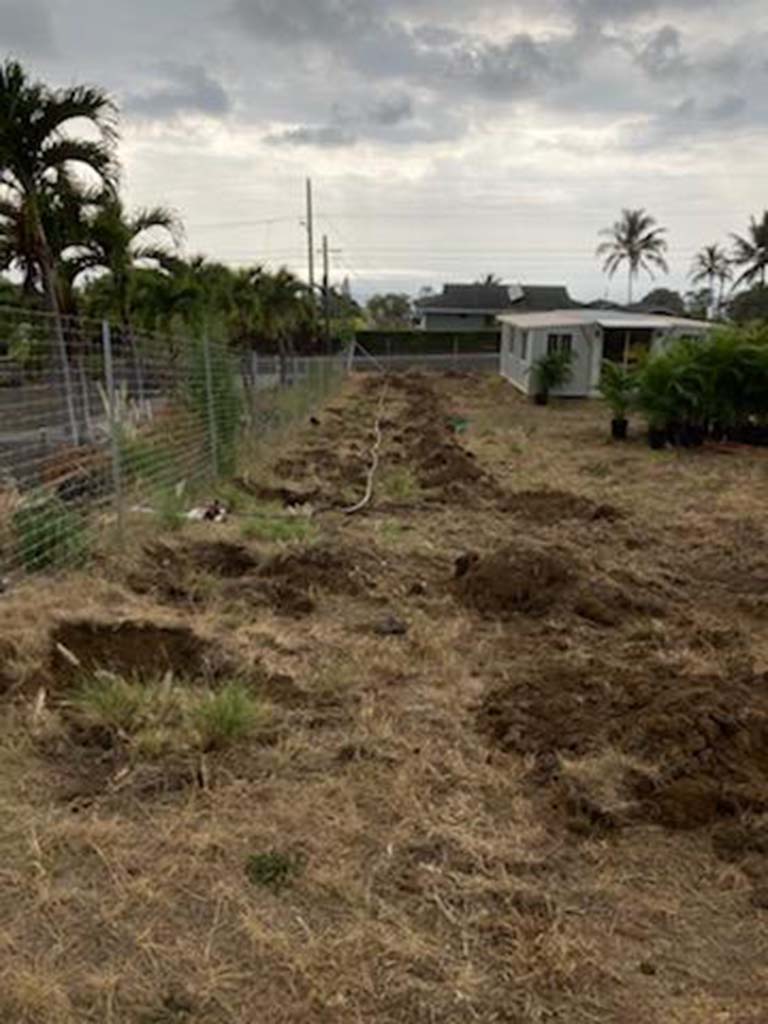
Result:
{"points": [[591, 335]]}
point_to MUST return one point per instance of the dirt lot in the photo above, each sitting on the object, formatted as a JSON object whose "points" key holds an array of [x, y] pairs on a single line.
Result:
{"points": [[512, 759]]}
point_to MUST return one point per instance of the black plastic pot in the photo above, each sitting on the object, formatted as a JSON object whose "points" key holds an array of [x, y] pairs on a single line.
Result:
{"points": [[541, 399], [619, 429], [657, 438]]}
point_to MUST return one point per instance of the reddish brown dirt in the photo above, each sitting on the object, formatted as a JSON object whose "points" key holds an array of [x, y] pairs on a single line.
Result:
{"points": [[132, 649]]}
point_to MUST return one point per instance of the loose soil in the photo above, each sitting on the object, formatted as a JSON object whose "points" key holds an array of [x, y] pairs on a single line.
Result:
{"points": [[516, 734]]}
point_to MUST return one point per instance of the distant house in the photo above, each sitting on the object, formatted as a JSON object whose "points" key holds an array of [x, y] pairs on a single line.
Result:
{"points": [[590, 335], [476, 307]]}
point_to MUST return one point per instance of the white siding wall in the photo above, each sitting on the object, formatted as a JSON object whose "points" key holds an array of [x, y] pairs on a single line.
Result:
{"points": [[513, 366]]}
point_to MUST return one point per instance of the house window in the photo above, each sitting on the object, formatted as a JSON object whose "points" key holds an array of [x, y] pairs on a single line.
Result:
{"points": [[524, 345], [559, 343]]}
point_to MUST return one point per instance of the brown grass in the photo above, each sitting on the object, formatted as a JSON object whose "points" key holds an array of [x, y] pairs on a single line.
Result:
{"points": [[441, 878]]}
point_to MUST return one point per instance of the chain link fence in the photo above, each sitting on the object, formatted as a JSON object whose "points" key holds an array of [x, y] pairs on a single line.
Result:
{"points": [[101, 424]]}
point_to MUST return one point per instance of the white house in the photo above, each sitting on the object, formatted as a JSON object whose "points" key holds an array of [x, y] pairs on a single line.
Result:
{"points": [[591, 335]]}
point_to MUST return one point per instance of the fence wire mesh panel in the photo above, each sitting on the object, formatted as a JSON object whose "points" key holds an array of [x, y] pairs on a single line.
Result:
{"points": [[101, 425], [436, 362]]}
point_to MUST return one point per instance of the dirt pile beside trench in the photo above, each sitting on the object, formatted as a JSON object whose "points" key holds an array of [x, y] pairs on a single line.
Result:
{"points": [[527, 578], [548, 507], [195, 572], [617, 743]]}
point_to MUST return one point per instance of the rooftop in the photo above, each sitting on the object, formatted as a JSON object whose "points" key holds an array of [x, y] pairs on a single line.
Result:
{"points": [[605, 318]]}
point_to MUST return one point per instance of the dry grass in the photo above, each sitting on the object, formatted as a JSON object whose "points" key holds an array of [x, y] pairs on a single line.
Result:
{"points": [[413, 871]]}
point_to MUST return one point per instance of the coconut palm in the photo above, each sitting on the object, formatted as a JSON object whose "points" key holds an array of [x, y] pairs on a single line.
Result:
{"points": [[712, 265], [37, 156], [113, 241], [752, 252], [636, 240]]}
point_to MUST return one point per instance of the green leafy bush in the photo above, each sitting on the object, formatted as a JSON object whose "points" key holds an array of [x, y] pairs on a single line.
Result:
{"points": [[552, 371], [719, 383], [618, 387], [50, 534]]}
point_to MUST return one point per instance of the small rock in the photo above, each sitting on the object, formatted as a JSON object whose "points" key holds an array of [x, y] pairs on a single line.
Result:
{"points": [[391, 626], [417, 590], [760, 897], [646, 967]]}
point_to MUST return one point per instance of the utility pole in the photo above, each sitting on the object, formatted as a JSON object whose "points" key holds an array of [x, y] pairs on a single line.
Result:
{"points": [[310, 237], [326, 295]]}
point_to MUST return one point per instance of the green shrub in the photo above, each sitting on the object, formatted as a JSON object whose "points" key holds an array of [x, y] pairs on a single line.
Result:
{"points": [[552, 371], [145, 459], [272, 870], [618, 387], [722, 380], [226, 716], [170, 505], [399, 485], [50, 534]]}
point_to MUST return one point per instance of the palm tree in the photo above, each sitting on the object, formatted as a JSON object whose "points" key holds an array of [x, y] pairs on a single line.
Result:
{"points": [[637, 241], [113, 242], [284, 306], [36, 156], [709, 265], [752, 252]]}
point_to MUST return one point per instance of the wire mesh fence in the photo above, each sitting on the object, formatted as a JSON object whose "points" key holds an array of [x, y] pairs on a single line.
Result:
{"points": [[101, 424]]}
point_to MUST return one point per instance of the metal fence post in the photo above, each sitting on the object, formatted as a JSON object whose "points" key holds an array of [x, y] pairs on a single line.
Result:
{"points": [[210, 401], [114, 431]]}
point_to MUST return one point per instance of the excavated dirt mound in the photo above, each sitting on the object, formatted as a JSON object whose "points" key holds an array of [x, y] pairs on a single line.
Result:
{"points": [[548, 507], [531, 579], [620, 743], [175, 573], [325, 567], [516, 579], [132, 649]]}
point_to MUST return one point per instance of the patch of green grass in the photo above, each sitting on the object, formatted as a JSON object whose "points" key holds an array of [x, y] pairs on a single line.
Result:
{"points": [[272, 870], [111, 702], [223, 718], [50, 535], [399, 485], [278, 530], [170, 504]]}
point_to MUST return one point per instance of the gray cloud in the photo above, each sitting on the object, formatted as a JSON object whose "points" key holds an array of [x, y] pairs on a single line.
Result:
{"points": [[326, 136], [186, 89], [27, 27], [662, 55], [391, 110]]}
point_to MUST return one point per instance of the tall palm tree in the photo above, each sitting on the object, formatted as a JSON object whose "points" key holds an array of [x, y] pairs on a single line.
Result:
{"points": [[112, 241], [636, 240], [712, 265], [752, 252], [36, 155]]}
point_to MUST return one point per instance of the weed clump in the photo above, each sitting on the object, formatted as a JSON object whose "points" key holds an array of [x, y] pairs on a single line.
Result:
{"points": [[50, 535], [272, 870], [223, 718]]}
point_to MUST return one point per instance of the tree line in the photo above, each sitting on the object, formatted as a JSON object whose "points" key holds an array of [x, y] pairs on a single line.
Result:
{"points": [[70, 247]]}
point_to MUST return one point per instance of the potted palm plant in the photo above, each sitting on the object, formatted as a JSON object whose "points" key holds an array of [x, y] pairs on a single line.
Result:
{"points": [[550, 372], [618, 386]]}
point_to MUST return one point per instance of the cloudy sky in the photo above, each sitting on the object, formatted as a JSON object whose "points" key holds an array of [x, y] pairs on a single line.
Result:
{"points": [[446, 138]]}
